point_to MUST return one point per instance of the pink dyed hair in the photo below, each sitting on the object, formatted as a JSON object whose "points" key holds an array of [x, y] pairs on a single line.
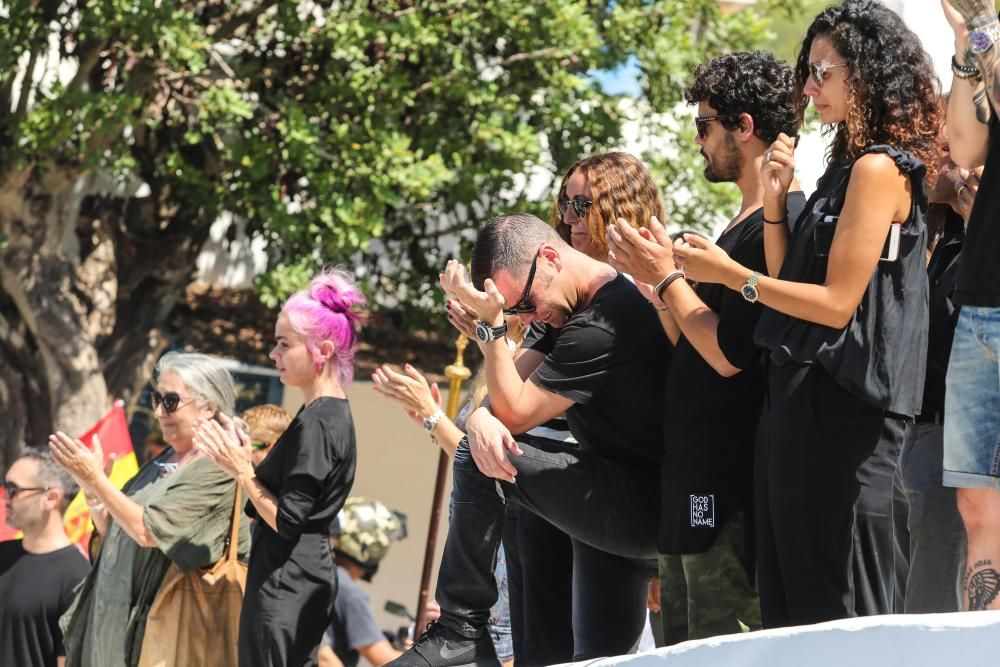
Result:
{"points": [[331, 308]]}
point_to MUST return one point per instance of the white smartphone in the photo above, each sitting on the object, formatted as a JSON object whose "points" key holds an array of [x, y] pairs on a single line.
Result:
{"points": [[890, 251]]}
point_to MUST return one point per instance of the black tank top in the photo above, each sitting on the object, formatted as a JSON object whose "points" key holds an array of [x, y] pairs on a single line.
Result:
{"points": [[881, 354]]}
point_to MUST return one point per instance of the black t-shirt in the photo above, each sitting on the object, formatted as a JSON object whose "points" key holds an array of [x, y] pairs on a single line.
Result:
{"points": [[35, 590], [311, 468], [711, 419], [353, 624], [978, 274], [611, 358]]}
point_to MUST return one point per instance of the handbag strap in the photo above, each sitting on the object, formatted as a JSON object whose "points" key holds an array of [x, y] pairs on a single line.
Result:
{"points": [[233, 543]]}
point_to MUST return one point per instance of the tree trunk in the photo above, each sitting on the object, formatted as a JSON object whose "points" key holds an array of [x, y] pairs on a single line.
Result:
{"points": [[88, 281]]}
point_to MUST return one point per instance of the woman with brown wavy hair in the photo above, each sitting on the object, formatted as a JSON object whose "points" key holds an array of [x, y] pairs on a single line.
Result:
{"points": [[846, 319], [596, 191]]}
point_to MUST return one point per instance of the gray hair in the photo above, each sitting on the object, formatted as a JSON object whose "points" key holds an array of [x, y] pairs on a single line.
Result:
{"points": [[49, 474], [203, 375], [509, 242]]}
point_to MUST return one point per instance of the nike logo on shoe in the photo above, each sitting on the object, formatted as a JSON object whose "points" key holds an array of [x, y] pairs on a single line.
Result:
{"points": [[449, 653]]}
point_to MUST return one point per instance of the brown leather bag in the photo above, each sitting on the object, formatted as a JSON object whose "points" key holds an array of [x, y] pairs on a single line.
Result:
{"points": [[195, 617]]}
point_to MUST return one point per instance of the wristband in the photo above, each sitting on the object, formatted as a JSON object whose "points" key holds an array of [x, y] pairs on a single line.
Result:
{"points": [[965, 71], [665, 283], [775, 222]]}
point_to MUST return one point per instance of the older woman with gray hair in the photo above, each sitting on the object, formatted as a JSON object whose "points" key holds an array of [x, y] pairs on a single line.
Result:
{"points": [[176, 509]]}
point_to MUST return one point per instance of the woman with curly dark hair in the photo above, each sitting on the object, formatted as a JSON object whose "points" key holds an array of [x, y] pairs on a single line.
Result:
{"points": [[845, 319]]}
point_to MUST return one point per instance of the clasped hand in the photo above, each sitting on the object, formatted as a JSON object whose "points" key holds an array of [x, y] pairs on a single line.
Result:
{"points": [[84, 464], [490, 442], [645, 254], [224, 443], [486, 303]]}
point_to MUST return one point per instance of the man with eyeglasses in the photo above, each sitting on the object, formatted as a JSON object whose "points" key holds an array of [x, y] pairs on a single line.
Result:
{"points": [[716, 383], [39, 572], [605, 371]]}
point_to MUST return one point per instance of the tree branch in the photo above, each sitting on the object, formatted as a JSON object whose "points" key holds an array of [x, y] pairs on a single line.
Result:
{"points": [[26, 83]]}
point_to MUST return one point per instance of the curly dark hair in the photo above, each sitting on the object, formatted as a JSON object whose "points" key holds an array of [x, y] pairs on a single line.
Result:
{"points": [[752, 82], [895, 97]]}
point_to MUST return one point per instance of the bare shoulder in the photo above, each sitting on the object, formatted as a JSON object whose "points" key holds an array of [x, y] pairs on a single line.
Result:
{"points": [[877, 166], [877, 176]]}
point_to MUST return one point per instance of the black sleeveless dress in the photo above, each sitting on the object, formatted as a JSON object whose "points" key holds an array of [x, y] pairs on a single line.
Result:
{"points": [[833, 421]]}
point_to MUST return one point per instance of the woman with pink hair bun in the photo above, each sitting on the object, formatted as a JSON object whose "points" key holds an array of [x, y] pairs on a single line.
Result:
{"points": [[298, 489]]}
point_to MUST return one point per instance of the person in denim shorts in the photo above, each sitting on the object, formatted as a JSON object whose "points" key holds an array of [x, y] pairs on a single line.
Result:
{"points": [[972, 400]]}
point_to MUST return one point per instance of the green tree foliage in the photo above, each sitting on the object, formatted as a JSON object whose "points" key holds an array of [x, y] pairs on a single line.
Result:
{"points": [[383, 130]]}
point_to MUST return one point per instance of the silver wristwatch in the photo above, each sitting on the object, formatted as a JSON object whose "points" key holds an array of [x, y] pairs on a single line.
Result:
{"points": [[432, 421], [485, 333]]}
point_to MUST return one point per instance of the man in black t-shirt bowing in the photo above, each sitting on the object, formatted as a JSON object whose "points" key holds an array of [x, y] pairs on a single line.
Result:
{"points": [[605, 370], [716, 382]]}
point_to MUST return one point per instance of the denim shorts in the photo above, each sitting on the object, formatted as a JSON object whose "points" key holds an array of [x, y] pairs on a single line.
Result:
{"points": [[972, 402]]}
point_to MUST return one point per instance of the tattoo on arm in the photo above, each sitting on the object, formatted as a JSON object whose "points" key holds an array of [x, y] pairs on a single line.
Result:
{"points": [[982, 584], [982, 106]]}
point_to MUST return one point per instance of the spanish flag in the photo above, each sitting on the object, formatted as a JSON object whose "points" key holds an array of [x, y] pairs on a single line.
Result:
{"points": [[112, 429]]}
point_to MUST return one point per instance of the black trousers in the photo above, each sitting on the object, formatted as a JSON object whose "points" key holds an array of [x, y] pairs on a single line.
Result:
{"points": [[823, 495], [540, 585], [602, 503]]}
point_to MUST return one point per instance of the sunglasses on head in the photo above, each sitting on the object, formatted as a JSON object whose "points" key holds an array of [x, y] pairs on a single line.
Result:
{"points": [[819, 69], [171, 401], [524, 305], [13, 489], [580, 206], [701, 122]]}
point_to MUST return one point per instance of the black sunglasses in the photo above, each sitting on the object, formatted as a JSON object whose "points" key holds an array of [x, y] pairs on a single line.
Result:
{"points": [[13, 489], [524, 305], [171, 401], [580, 206], [701, 122]]}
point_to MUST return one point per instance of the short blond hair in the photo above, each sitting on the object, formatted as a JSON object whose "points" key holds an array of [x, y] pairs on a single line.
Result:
{"points": [[266, 422]]}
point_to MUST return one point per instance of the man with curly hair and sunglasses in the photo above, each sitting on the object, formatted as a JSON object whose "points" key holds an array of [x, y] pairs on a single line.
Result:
{"points": [[716, 381]]}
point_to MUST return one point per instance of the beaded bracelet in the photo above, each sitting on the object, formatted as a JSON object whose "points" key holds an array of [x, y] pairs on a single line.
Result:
{"points": [[965, 71]]}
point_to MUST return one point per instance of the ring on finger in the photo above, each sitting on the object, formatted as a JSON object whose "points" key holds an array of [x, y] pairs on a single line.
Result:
{"points": [[961, 189], [767, 157]]}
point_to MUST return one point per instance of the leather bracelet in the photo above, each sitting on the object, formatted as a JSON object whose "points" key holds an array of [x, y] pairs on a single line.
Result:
{"points": [[965, 71], [783, 221], [665, 283]]}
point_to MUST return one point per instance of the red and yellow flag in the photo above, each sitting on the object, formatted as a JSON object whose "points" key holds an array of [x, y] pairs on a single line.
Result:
{"points": [[112, 430]]}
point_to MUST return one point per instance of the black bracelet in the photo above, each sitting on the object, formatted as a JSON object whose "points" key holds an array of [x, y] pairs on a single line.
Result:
{"points": [[964, 71], [775, 222], [662, 286]]}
